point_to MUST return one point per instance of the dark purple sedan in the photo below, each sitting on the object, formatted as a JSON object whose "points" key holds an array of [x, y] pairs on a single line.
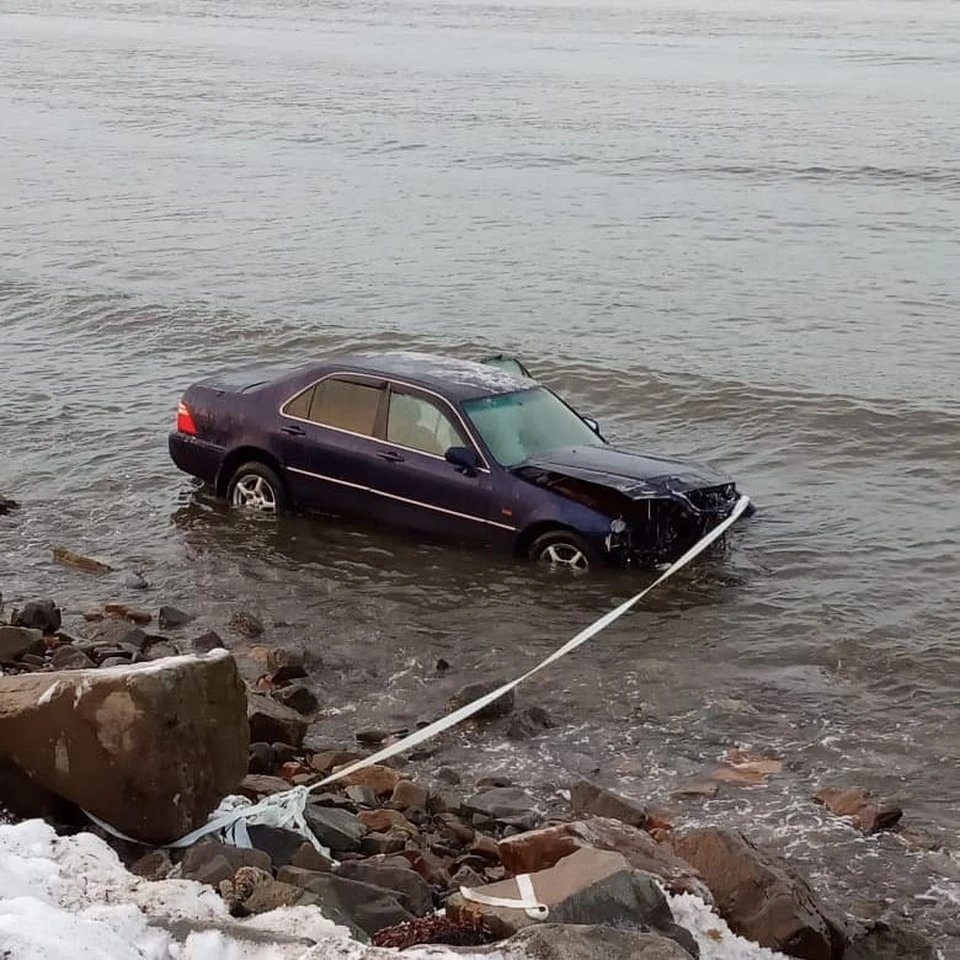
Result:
{"points": [[470, 450]]}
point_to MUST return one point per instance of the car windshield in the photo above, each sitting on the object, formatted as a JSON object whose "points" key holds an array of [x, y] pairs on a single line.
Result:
{"points": [[518, 426]]}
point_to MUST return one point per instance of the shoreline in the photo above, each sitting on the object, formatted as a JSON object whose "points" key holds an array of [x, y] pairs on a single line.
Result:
{"points": [[451, 834]]}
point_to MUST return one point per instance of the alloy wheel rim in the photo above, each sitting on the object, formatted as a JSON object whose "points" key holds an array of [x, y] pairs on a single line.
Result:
{"points": [[253, 492], [567, 556]]}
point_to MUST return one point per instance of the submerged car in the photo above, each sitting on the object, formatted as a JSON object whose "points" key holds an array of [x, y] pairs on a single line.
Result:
{"points": [[476, 451]]}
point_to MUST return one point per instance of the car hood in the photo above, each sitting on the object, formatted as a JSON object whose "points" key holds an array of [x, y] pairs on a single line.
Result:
{"points": [[635, 475]]}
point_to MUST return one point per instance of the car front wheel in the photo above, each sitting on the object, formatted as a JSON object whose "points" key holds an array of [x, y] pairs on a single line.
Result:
{"points": [[254, 486], [562, 550]]}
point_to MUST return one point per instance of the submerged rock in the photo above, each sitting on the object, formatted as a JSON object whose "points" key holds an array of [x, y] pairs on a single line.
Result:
{"points": [[758, 896], [501, 707], [149, 748], [7, 505], [170, 618], [881, 941], [590, 798], [865, 812]]}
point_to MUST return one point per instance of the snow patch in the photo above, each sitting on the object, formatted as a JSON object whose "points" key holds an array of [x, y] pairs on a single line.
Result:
{"points": [[715, 939]]}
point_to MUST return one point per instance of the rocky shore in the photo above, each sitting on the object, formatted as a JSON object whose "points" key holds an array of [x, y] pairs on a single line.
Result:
{"points": [[124, 723]]}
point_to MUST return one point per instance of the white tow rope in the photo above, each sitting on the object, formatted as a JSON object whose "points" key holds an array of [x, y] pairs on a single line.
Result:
{"points": [[287, 809], [528, 902]]}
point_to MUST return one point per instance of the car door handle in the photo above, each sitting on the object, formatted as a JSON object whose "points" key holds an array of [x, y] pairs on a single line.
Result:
{"points": [[391, 456], [293, 431]]}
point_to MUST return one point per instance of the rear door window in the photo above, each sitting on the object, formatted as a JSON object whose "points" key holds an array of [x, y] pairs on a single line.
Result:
{"points": [[420, 424], [344, 404]]}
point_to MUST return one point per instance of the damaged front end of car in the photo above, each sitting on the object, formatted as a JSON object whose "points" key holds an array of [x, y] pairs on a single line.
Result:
{"points": [[652, 522]]}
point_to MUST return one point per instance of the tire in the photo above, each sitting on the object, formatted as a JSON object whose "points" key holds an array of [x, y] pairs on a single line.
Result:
{"points": [[255, 486], [562, 550]]}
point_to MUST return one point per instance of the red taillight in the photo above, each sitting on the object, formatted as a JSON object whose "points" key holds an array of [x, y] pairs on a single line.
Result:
{"points": [[185, 422]]}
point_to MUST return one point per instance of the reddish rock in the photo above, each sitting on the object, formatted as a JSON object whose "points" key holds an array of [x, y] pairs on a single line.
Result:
{"points": [[328, 760], [865, 813], [381, 821], [149, 748], [256, 785], [432, 868], [407, 794], [124, 612], [378, 777], [758, 896]]}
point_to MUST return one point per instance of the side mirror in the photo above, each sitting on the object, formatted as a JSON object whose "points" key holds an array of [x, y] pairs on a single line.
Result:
{"points": [[463, 458], [591, 423]]}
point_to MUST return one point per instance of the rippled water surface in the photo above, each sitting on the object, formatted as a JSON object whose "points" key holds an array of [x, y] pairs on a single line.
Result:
{"points": [[729, 234]]}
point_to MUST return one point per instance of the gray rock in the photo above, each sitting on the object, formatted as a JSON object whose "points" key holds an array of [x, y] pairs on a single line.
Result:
{"points": [[70, 658], [554, 941], [447, 775], [589, 798], [308, 857], [271, 721], [299, 697], [171, 617], [136, 581], [412, 891], [337, 829], [501, 707], [881, 941], [16, 641], [627, 897], [286, 664], [279, 844], [42, 615], [211, 861], [371, 737], [207, 641], [364, 796], [508, 805], [263, 758], [529, 723], [115, 661], [378, 844], [359, 906]]}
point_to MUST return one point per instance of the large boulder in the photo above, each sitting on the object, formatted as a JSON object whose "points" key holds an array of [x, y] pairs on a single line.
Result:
{"points": [[540, 849], [570, 941], [758, 896], [586, 887], [150, 748]]}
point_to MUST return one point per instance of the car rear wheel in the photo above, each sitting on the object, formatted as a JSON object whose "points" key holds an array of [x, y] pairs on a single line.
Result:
{"points": [[254, 486], [562, 550]]}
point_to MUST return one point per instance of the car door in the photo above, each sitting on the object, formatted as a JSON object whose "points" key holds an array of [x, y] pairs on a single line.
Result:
{"points": [[328, 450], [428, 492]]}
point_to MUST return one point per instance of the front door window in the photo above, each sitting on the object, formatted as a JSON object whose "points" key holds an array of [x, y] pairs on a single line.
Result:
{"points": [[419, 424]]}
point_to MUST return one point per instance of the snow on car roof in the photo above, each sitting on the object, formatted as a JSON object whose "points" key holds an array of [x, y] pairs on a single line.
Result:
{"points": [[457, 379]]}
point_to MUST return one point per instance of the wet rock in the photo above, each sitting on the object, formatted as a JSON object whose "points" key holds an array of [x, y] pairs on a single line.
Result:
{"points": [[271, 721], [261, 759], [382, 821], [484, 783], [246, 624], [501, 707], [508, 805], [42, 615], [758, 897], [7, 505], [299, 697], [16, 641], [408, 794], [702, 788], [155, 865], [136, 581], [70, 559], [337, 829], [556, 941], [380, 844], [170, 618], [371, 737], [379, 778], [327, 761], [149, 748], [586, 887], [256, 785], [285, 664], [308, 857], [364, 796], [865, 812], [588, 798], [746, 767], [208, 641], [279, 844], [125, 612], [881, 941], [211, 861], [412, 891], [528, 723], [448, 775]]}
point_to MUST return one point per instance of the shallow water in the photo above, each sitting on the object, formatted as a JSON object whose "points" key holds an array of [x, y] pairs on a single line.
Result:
{"points": [[729, 235]]}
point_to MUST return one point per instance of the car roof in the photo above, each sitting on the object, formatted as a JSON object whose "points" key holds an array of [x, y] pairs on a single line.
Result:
{"points": [[453, 378]]}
